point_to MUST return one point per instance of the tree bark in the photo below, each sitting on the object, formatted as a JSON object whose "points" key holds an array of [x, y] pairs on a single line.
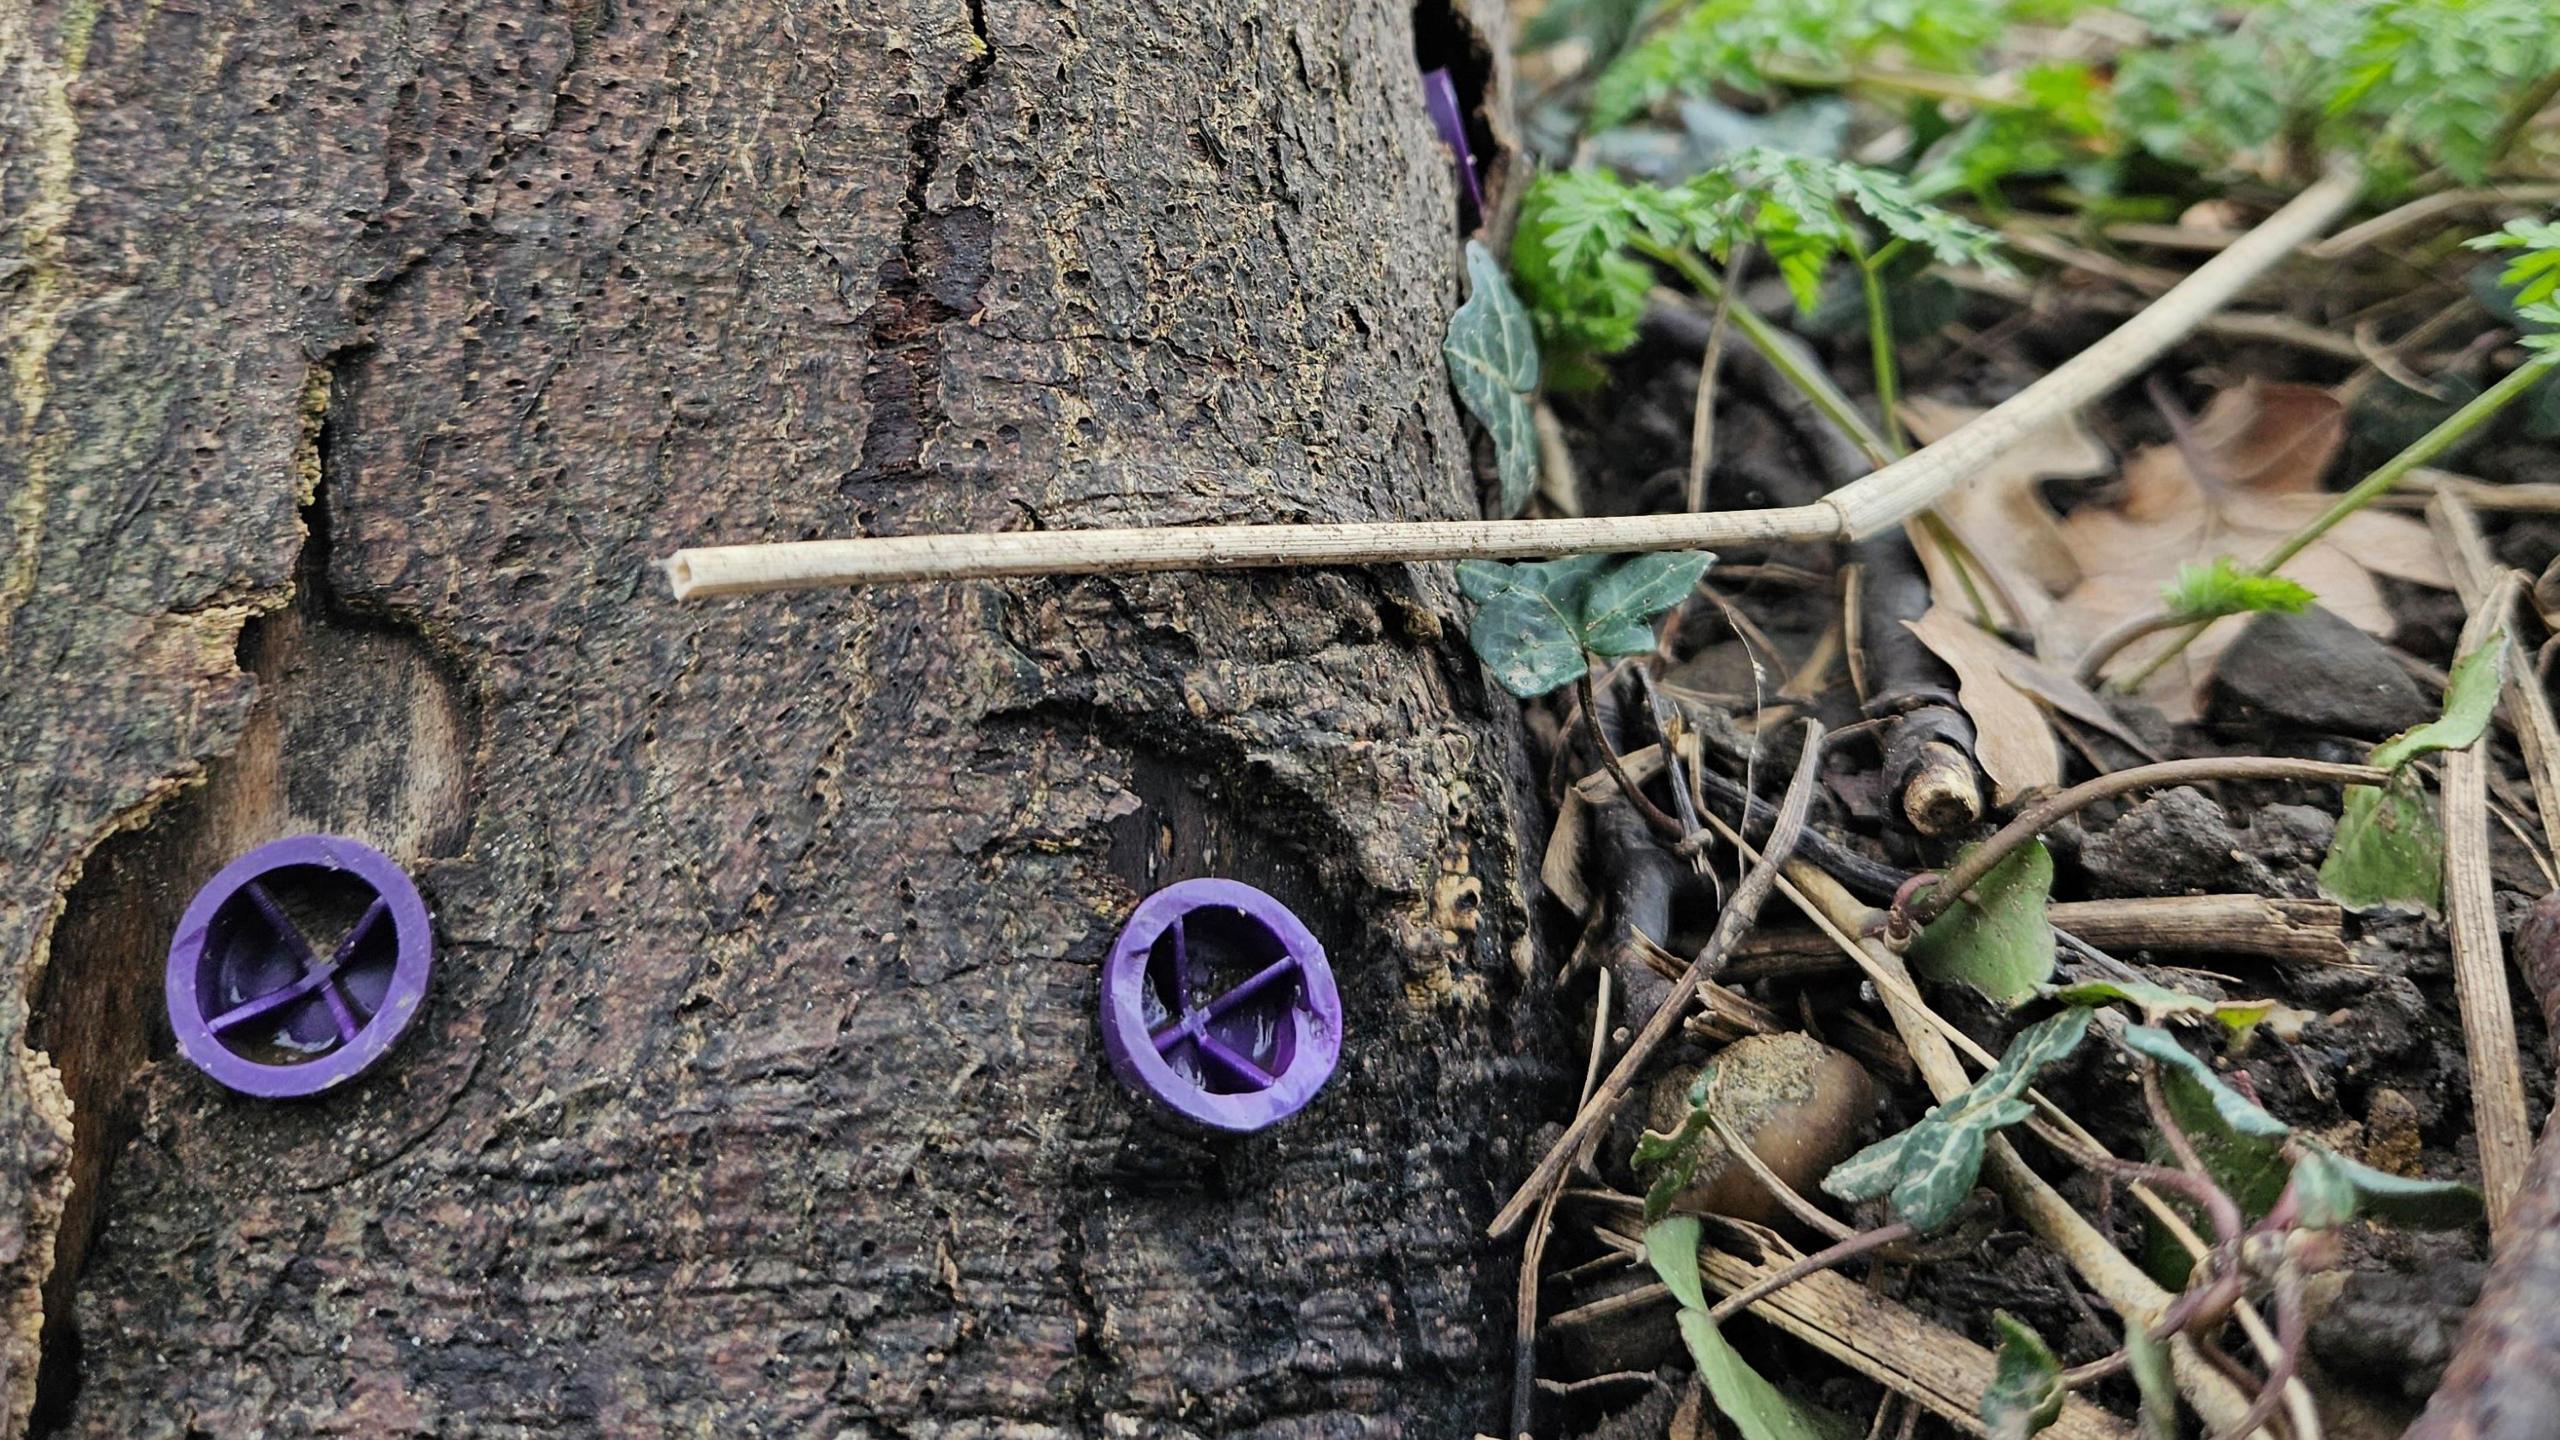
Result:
{"points": [[362, 356]]}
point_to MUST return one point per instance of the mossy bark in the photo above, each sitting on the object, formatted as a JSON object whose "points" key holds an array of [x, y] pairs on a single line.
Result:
{"points": [[363, 356]]}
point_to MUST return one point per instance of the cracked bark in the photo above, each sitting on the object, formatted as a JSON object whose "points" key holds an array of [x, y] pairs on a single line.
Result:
{"points": [[759, 1092]]}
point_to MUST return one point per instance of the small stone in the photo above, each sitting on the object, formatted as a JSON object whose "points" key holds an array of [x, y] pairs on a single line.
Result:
{"points": [[2314, 671], [2177, 842]]}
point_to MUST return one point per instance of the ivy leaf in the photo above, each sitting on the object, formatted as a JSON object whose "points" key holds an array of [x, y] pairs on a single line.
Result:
{"points": [[2236, 1110], [2153, 1378], [1930, 1168], [2470, 698], [1493, 359], [2333, 1189], [1528, 623], [1940, 1160], [1536, 625], [2388, 850], [1758, 1409], [2157, 1002], [2218, 588], [2002, 946], [2026, 1382], [1617, 616]]}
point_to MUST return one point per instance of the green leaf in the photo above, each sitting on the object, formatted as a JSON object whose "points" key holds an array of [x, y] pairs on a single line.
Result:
{"points": [[2470, 699], [1536, 624], [2235, 1109], [2157, 1002], [1672, 1248], [2251, 1169], [1940, 1162], [1673, 1159], [2154, 1379], [2026, 1382], [1492, 351], [2002, 946], [2332, 1189], [1617, 616], [2219, 588], [2322, 1192], [2535, 272], [1869, 1173], [1930, 1168], [1758, 1409], [2388, 850]]}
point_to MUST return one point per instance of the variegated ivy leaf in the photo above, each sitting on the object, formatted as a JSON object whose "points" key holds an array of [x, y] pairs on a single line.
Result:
{"points": [[2153, 1377], [1938, 1169], [1492, 351], [1930, 1168], [1537, 625]]}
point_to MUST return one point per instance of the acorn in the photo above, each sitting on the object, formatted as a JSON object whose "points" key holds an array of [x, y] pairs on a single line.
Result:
{"points": [[1800, 1105]]}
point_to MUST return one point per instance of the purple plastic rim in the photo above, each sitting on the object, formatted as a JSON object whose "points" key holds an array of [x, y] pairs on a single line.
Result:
{"points": [[202, 953], [1307, 1029], [1440, 97]]}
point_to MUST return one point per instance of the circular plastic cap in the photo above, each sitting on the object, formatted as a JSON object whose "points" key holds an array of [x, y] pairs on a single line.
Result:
{"points": [[1218, 1005], [253, 1002]]}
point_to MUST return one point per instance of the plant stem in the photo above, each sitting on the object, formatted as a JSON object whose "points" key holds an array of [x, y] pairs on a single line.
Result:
{"points": [[2106, 647], [1663, 825], [1764, 337], [2520, 115], [2448, 433], [1965, 873], [2292, 1326], [1880, 347], [1822, 1259]]}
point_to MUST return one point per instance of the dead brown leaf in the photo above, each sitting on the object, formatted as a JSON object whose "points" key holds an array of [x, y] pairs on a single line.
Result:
{"points": [[2012, 740], [1999, 513], [2246, 478]]}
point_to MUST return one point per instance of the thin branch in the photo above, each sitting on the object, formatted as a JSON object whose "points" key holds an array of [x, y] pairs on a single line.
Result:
{"points": [[1862, 508], [1977, 862], [1820, 1260], [1739, 913]]}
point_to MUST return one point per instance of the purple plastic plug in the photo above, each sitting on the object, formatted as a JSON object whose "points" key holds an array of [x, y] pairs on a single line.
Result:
{"points": [[1440, 97], [1218, 1005], [253, 1003]]}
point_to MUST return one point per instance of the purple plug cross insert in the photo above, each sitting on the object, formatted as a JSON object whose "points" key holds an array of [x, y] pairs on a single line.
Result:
{"points": [[1440, 97], [252, 999], [1218, 1005]]}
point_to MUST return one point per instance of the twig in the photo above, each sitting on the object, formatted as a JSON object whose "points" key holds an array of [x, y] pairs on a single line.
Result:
{"points": [[1663, 825], [1885, 498], [2300, 931], [1524, 1353], [2417, 212], [1965, 873], [2479, 960], [1826, 1258], [1739, 913], [1702, 419], [2528, 705]]}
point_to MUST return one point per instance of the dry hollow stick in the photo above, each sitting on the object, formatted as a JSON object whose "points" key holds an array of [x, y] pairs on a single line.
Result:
{"points": [[1855, 511]]}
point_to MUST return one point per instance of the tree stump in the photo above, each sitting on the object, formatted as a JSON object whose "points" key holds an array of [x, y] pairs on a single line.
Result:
{"points": [[362, 357]]}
